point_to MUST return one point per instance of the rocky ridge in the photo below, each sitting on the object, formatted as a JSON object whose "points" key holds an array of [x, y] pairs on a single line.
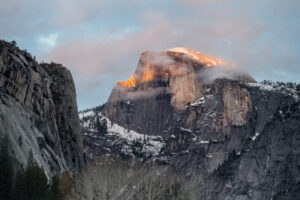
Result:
{"points": [[237, 139]]}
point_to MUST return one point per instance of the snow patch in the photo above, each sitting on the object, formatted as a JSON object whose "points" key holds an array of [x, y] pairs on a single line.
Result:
{"points": [[86, 114], [204, 142], [151, 145], [209, 155], [277, 88], [198, 102], [185, 129], [255, 136]]}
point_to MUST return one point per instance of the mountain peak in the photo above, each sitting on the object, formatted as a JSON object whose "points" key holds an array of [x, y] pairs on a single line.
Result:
{"points": [[181, 62], [199, 57]]}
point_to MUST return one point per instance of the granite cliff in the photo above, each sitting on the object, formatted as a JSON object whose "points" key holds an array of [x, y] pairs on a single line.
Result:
{"points": [[194, 118], [164, 83], [38, 112]]}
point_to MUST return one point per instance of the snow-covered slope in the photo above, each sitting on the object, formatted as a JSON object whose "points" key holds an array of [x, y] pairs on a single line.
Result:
{"points": [[287, 89], [107, 137]]}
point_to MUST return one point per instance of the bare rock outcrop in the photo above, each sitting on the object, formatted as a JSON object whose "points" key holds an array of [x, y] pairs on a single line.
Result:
{"points": [[39, 111], [170, 80]]}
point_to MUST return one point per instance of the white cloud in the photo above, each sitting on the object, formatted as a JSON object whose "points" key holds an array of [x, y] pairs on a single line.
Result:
{"points": [[49, 41], [97, 39]]}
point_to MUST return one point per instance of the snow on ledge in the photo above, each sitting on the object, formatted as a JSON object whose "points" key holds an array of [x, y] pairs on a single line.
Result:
{"points": [[253, 138]]}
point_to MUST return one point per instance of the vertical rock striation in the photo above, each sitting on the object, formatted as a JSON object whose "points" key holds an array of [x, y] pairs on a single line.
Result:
{"points": [[168, 81], [38, 111]]}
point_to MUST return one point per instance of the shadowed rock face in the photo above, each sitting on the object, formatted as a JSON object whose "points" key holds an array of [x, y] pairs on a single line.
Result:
{"points": [[238, 141], [39, 111]]}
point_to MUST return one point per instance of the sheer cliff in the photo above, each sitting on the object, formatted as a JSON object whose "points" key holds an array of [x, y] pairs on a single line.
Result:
{"points": [[38, 111], [163, 83], [203, 122]]}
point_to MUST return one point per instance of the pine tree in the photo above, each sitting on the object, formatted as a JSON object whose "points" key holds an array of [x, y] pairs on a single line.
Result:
{"points": [[14, 43], [29, 177], [6, 171], [101, 126], [298, 87], [36, 181], [41, 183], [54, 192], [19, 189]]}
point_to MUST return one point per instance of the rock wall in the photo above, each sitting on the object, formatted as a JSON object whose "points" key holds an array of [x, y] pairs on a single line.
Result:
{"points": [[185, 88], [39, 111], [154, 109], [168, 81], [237, 103], [237, 141], [64, 98], [225, 139]]}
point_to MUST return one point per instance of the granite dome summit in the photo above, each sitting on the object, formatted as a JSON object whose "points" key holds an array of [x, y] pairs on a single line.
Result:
{"points": [[181, 61], [180, 72]]}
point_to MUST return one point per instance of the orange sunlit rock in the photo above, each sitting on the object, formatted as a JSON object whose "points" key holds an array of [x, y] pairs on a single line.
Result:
{"points": [[148, 75], [127, 84], [150, 71], [200, 57]]}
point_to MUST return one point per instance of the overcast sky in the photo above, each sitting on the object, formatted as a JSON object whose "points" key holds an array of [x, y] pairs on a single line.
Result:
{"points": [[100, 40]]}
